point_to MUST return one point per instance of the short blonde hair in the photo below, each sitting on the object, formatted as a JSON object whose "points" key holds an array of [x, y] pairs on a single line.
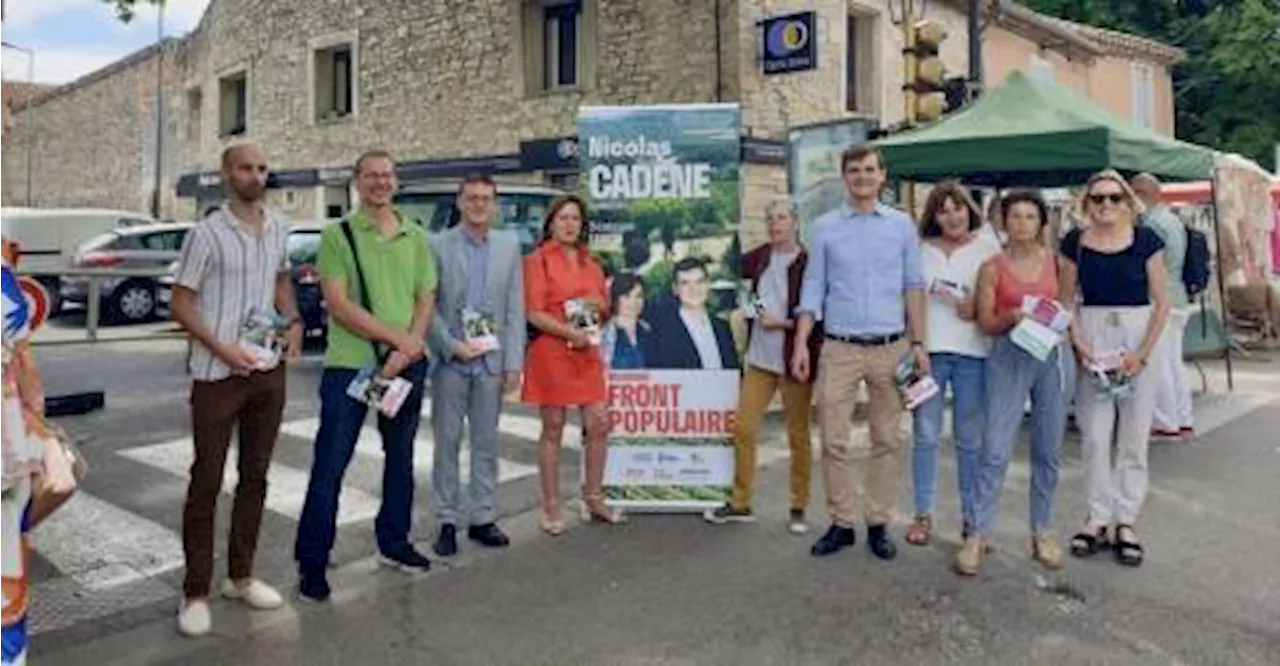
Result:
{"points": [[1135, 204]]}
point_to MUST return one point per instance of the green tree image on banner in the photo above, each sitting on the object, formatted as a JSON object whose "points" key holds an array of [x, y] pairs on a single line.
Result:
{"points": [[663, 184]]}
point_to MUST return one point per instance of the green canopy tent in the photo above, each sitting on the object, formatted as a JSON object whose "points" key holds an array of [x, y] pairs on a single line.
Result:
{"points": [[1024, 133]]}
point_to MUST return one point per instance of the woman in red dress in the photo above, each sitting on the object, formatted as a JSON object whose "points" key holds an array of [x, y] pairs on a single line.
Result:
{"points": [[563, 368]]}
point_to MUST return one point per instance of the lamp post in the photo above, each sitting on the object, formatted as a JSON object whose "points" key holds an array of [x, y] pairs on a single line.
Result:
{"points": [[30, 110]]}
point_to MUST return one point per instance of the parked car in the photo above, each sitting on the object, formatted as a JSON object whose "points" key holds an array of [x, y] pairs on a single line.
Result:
{"points": [[126, 299], [520, 207], [48, 238]]}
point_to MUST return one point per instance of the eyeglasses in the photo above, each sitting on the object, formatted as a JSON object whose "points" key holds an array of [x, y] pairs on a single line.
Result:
{"points": [[1115, 198]]}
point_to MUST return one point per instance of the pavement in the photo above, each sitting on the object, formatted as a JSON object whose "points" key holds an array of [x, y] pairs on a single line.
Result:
{"points": [[662, 589]]}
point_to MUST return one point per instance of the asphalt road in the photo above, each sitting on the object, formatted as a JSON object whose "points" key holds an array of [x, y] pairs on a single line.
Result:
{"points": [[663, 589]]}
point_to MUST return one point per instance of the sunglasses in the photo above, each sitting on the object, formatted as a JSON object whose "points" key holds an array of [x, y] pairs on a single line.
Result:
{"points": [[1116, 198]]}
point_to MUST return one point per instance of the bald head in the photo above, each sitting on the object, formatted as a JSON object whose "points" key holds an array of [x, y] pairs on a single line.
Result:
{"points": [[244, 169], [1147, 187]]}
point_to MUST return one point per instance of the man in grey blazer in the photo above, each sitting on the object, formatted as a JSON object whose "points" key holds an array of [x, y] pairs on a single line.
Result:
{"points": [[477, 339]]}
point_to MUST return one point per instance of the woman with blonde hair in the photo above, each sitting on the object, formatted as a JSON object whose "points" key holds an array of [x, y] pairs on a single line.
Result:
{"points": [[1117, 267]]}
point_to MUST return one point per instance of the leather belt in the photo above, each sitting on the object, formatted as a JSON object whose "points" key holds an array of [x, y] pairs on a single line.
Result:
{"points": [[867, 341]]}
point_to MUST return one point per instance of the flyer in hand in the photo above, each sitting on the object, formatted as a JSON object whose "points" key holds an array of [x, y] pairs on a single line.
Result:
{"points": [[580, 314], [386, 395], [752, 304], [946, 290], [1042, 328], [263, 334], [479, 331], [1108, 379], [916, 386]]}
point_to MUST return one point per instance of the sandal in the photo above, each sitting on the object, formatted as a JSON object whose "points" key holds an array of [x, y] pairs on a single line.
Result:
{"points": [[1085, 544], [594, 510], [552, 526], [1128, 551], [919, 531]]}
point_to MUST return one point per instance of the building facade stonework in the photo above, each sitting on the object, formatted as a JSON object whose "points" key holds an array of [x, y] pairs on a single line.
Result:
{"points": [[458, 85]]}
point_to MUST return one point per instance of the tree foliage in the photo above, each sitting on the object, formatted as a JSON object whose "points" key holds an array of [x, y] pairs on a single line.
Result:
{"points": [[126, 10], [1225, 92]]}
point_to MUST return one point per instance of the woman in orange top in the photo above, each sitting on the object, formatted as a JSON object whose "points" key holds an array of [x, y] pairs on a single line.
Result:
{"points": [[563, 368]]}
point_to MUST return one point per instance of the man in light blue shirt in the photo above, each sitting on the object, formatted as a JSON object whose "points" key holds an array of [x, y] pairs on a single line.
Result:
{"points": [[1173, 415], [864, 284]]}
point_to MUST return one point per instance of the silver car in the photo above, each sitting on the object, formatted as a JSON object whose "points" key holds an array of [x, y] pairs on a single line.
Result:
{"points": [[127, 299]]}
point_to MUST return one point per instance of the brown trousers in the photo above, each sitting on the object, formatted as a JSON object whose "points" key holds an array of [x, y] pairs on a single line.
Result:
{"points": [[255, 404], [843, 366], [758, 387]]}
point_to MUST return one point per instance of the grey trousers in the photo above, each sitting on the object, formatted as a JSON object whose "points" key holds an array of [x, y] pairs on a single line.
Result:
{"points": [[475, 399]]}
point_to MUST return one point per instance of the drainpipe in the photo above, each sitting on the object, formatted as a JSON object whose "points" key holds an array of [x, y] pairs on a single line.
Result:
{"points": [[975, 48], [719, 68]]}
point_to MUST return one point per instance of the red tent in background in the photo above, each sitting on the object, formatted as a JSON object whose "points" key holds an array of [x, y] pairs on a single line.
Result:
{"points": [[1198, 192]]}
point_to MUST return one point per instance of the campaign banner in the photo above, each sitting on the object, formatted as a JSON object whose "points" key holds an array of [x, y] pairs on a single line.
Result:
{"points": [[663, 187]]}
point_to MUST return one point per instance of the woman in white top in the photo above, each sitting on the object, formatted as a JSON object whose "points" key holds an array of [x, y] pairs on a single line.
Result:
{"points": [[953, 252]]}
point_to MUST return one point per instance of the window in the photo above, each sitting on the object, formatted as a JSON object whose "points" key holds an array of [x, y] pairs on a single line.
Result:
{"points": [[195, 102], [337, 201], [557, 43], [233, 103], [1040, 70], [334, 85], [860, 73], [303, 247], [560, 45], [1143, 95], [163, 240]]}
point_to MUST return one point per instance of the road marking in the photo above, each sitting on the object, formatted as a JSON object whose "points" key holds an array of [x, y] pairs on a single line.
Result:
{"points": [[369, 444], [525, 427], [286, 486], [102, 546]]}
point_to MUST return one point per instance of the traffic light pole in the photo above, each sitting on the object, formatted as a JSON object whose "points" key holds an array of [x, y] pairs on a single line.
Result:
{"points": [[909, 66]]}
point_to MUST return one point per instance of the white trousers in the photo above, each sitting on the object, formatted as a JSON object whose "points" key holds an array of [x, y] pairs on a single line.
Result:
{"points": [[1115, 486], [1173, 393]]}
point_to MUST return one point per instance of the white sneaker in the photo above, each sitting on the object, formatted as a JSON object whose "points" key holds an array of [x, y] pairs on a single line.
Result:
{"points": [[194, 618], [256, 594]]}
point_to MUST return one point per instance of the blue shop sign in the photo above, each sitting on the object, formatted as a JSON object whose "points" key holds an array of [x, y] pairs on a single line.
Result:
{"points": [[790, 43]]}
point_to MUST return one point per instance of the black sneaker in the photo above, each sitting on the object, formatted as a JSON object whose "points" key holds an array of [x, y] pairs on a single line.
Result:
{"points": [[796, 524], [835, 540], [314, 586], [727, 514], [446, 544], [406, 559], [488, 535]]}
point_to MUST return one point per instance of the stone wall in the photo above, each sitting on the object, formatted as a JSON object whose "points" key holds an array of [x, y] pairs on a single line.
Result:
{"points": [[94, 140]]}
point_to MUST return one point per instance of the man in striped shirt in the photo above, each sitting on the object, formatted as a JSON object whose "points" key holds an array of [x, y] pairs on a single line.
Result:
{"points": [[233, 270]]}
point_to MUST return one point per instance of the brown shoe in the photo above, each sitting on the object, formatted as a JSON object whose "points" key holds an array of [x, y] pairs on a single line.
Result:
{"points": [[969, 559]]}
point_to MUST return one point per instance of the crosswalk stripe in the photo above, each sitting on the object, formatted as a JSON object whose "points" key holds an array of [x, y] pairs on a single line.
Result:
{"points": [[286, 486], [369, 444], [101, 546]]}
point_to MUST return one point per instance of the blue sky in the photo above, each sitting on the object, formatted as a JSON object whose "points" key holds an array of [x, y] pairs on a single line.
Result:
{"points": [[72, 38]]}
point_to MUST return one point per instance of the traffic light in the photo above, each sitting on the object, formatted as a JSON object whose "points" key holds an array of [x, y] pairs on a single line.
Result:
{"points": [[926, 76]]}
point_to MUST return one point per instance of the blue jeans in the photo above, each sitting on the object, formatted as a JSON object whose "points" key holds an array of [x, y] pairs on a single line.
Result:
{"points": [[1012, 375], [341, 418], [965, 376]]}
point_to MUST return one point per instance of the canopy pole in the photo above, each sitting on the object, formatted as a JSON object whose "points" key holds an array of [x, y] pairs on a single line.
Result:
{"points": [[1222, 285]]}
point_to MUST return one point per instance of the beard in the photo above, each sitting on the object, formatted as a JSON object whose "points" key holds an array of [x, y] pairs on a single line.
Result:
{"points": [[251, 191]]}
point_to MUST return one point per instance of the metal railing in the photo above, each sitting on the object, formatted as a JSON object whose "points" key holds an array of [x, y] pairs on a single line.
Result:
{"points": [[96, 276]]}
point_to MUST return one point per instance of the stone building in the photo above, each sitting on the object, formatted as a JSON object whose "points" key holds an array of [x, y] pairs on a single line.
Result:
{"points": [[453, 86]]}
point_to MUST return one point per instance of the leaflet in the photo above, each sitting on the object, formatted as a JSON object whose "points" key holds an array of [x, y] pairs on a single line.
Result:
{"points": [[752, 305], [582, 315], [947, 290], [1107, 377], [263, 335], [1042, 328], [387, 395], [915, 386], [1047, 312], [479, 330]]}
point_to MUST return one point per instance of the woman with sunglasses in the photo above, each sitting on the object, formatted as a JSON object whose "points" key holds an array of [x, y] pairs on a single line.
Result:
{"points": [[563, 367], [1026, 269], [1118, 268], [952, 252]]}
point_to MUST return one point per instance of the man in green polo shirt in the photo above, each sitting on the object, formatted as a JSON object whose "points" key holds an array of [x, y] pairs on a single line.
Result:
{"points": [[381, 330]]}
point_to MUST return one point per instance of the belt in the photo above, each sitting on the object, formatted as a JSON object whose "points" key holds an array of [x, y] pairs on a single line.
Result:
{"points": [[867, 341]]}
